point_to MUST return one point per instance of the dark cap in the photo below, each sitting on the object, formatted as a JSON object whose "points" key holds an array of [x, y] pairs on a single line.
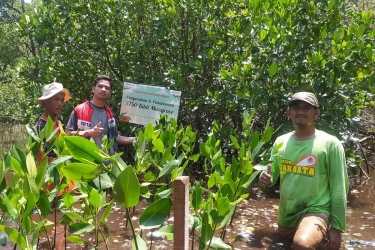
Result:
{"points": [[308, 97]]}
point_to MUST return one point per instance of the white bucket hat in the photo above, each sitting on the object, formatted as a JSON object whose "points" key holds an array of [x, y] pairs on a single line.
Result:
{"points": [[52, 89]]}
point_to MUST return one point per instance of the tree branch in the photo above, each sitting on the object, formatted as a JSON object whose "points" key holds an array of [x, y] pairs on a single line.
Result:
{"points": [[12, 8]]}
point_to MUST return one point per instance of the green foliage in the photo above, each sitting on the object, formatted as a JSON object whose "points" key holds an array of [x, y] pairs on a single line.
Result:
{"points": [[225, 56], [18, 200], [163, 153], [155, 214], [227, 183], [366, 5], [14, 48], [213, 200], [11, 97], [126, 189]]}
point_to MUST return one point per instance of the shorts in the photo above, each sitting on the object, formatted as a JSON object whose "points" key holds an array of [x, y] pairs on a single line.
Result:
{"points": [[311, 232]]}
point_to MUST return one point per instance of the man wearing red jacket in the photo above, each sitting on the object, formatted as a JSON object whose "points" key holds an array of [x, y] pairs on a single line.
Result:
{"points": [[94, 119]]}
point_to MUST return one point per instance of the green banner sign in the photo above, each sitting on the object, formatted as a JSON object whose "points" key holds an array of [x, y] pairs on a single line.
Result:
{"points": [[142, 104]]}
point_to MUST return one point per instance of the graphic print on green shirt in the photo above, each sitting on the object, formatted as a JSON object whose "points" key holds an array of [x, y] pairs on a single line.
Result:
{"points": [[304, 166]]}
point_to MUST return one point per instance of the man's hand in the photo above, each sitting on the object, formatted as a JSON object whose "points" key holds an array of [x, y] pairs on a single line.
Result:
{"points": [[334, 239], [265, 177], [95, 131]]}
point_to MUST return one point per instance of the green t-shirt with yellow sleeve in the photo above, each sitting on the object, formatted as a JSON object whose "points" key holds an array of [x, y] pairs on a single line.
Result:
{"points": [[313, 178]]}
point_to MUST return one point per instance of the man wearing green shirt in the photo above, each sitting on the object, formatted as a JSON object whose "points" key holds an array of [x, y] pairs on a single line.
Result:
{"points": [[313, 179]]}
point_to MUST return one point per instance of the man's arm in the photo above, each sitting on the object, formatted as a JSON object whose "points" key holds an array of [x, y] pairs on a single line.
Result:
{"points": [[269, 177], [123, 140], [338, 183], [72, 128]]}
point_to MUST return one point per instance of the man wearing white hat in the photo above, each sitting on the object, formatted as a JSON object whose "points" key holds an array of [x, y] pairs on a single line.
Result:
{"points": [[53, 99], [311, 166]]}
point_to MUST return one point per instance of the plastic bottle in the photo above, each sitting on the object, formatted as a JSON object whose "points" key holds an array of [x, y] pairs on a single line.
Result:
{"points": [[362, 243], [3, 239]]}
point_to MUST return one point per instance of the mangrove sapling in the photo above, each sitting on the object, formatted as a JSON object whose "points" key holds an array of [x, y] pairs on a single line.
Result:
{"points": [[227, 184], [26, 193], [126, 191]]}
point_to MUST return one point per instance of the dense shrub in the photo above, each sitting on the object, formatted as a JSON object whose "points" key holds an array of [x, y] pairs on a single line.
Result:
{"points": [[225, 55]]}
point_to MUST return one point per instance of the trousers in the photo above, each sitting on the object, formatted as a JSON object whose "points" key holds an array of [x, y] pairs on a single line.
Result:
{"points": [[310, 233]]}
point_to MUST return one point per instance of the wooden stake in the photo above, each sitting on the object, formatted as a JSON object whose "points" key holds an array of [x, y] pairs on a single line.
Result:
{"points": [[181, 213]]}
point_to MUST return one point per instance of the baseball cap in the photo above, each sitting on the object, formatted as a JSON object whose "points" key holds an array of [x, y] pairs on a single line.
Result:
{"points": [[308, 97], [52, 89]]}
